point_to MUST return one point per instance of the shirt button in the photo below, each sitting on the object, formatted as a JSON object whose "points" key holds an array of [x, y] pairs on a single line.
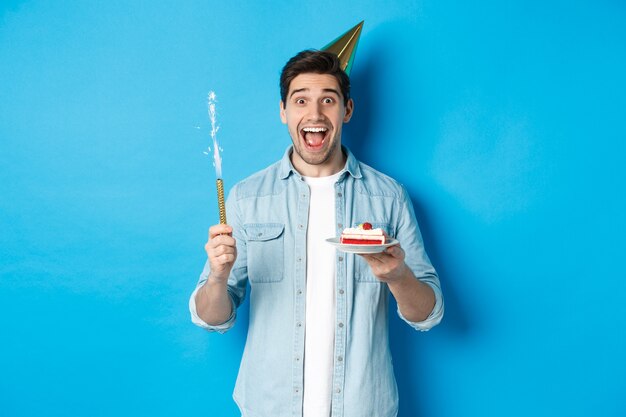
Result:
{"points": [[300, 226], [339, 194], [340, 358], [340, 324], [340, 226], [340, 291], [299, 324], [299, 292], [338, 390], [340, 258]]}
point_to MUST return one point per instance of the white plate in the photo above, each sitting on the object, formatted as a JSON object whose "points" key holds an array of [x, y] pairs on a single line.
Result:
{"points": [[351, 248]]}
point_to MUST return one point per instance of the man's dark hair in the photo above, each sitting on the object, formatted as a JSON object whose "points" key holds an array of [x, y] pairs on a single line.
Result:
{"points": [[317, 62]]}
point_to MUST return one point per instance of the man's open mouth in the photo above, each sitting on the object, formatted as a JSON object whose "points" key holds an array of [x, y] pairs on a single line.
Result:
{"points": [[314, 137]]}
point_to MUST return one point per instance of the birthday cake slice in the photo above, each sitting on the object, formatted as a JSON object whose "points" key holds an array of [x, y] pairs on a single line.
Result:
{"points": [[363, 234]]}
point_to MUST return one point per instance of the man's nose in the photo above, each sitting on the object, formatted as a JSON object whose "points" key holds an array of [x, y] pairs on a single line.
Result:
{"points": [[315, 111]]}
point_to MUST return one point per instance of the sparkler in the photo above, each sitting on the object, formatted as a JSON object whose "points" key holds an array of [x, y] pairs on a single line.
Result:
{"points": [[217, 159]]}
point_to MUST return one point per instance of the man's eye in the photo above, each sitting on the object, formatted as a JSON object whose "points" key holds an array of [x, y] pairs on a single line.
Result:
{"points": [[299, 101], [328, 100]]}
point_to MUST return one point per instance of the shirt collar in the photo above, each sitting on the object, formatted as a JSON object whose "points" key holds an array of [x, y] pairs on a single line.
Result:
{"points": [[286, 167]]}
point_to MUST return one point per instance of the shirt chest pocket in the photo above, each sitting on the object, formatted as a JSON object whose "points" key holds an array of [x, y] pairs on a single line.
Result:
{"points": [[362, 270], [265, 252]]}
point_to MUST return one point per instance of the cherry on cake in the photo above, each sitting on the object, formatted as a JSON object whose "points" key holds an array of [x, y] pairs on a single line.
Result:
{"points": [[363, 234]]}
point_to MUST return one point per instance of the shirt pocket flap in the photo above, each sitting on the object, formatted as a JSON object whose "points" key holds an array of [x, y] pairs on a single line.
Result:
{"points": [[260, 232]]}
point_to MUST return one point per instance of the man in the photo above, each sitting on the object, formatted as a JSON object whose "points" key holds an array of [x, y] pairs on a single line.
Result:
{"points": [[317, 342]]}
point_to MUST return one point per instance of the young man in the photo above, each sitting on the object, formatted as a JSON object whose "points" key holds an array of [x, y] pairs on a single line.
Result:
{"points": [[317, 344]]}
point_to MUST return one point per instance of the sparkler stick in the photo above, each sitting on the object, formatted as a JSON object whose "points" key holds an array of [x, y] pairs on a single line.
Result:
{"points": [[217, 159], [220, 200]]}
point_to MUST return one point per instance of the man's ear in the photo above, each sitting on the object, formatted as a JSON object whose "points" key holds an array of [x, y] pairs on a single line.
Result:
{"points": [[349, 111], [283, 116]]}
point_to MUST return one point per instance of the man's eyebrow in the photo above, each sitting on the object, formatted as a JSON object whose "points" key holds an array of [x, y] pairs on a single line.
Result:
{"points": [[299, 90], [331, 90], [325, 90]]}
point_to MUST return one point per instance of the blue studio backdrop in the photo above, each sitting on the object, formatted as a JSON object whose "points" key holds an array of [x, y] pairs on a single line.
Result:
{"points": [[504, 120]]}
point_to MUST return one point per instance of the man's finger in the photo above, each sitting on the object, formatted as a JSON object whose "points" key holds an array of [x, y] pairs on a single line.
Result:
{"points": [[395, 251], [219, 229], [226, 258], [221, 250], [372, 258], [218, 240]]}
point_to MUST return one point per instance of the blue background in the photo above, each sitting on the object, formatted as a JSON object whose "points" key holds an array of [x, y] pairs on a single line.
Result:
{"points": [[505, 121]]}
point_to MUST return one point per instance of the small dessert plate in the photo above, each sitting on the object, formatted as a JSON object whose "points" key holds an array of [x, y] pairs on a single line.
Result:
{"points": [[363, 249]]}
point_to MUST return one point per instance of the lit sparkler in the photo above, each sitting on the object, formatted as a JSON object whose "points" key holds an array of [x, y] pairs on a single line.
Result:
{"points": [[217, 159]]}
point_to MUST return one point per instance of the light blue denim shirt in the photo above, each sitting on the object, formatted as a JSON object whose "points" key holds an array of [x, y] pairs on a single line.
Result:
{"points": [[268, 212]]}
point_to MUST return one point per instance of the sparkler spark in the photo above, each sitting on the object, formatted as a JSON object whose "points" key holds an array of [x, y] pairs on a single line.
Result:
{"points": [[217, 159]]}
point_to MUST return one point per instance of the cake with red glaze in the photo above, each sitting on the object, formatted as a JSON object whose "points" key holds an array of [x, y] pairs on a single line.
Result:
{"points": [[363, 234]]}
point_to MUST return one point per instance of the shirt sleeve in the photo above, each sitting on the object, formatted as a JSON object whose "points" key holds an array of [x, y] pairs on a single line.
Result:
{"points": [[435, 316], [195, 318], [410, 237]]}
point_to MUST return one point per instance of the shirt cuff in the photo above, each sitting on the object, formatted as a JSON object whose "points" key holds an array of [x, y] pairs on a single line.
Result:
{"points": [[435, 316], [220, 328]]}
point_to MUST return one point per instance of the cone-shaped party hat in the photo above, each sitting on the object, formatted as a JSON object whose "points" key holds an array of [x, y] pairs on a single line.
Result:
{"points": [[345, 47]]}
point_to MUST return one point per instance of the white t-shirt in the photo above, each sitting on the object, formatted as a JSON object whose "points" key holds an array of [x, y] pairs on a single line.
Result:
{"points": [[320, 298]]}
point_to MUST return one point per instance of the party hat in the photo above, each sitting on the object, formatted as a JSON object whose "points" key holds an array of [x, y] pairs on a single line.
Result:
{"points": [[345, 47]]}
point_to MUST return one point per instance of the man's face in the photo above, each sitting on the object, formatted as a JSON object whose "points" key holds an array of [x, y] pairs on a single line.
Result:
{"points": [[314, 112]]}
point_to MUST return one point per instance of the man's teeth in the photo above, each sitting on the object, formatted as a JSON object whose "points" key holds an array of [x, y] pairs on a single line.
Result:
{"points": [[314, 136]]}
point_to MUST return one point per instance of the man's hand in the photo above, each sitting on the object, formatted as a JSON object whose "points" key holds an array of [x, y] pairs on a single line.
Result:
{"points": [[388, 266], [415, 299], [222, 252]]}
